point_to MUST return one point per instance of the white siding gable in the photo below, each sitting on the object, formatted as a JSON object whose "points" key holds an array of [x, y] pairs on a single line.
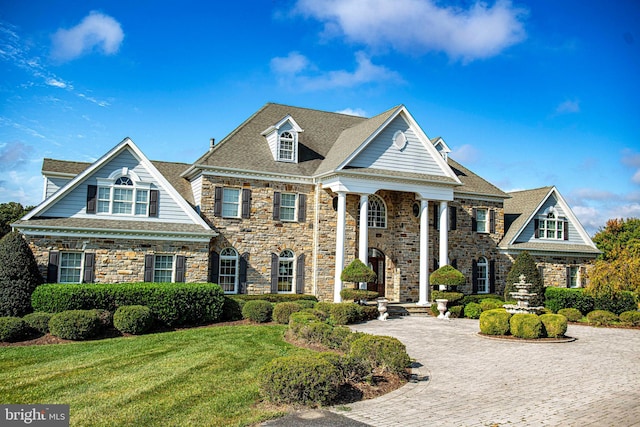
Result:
{"points": [[381, 153]]}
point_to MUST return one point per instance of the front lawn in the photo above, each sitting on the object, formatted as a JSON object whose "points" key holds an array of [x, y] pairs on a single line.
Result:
{"points": [[202, 376]]}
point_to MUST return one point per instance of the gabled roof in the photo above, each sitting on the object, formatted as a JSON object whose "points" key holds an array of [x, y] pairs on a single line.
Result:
{"points": [[520, 210], [472, 183], [125, 144]]}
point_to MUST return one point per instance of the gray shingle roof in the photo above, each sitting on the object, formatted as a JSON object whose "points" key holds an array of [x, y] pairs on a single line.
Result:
{"points": [[472, 183]]}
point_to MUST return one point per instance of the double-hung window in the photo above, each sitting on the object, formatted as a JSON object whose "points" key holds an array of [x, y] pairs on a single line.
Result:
{"points": [[231, 202], [287, 207], [285, 271], [482, 272], [228, 273], [70, 267], [482, 221], [286, 147], [163, 268]]}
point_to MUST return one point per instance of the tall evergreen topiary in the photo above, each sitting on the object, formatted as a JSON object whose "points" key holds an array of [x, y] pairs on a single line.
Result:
{"points": [[357, 272], [19, 275], [524, 264]]}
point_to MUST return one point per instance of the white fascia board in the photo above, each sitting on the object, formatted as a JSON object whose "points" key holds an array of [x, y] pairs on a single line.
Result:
{"points": [[295, 126], [358, 185], [531, 215], [479, 196], [258, 175]]}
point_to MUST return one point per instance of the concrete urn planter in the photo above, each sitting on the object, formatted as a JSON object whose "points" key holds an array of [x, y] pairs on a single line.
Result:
{"points": [[382, 308], [442, 307]]}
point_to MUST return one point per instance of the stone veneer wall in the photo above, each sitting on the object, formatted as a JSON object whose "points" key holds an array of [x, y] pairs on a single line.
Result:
{"points": [[554, 268], [122, 260]]}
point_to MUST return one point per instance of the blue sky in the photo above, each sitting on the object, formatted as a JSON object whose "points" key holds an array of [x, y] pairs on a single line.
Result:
{"points": [[526, 94]]}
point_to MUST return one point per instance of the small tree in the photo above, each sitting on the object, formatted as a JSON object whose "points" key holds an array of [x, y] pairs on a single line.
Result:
{"points": [[10, 212], [447, 276], [19, 275], [525, 264], [357, 272]]}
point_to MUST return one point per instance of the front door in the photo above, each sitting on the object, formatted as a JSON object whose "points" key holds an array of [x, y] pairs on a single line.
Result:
{"points": [[376, 263]]}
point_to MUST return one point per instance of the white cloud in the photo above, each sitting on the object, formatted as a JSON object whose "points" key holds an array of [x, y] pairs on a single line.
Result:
{"points": [[353, 112], [56, 83], [95, 32], [419, 26], [568, 107], [14, 154], [304, 75]]}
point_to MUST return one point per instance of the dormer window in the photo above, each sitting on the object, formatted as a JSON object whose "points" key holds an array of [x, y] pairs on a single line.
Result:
{"points": [[286, 147], [122, 193], [551, 226]]}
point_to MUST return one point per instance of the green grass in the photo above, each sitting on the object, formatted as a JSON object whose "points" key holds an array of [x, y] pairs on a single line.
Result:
{"points": [[204, 376]]}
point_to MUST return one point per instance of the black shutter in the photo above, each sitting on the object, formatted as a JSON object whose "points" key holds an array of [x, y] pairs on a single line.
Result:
{"points": [[492, 221], [246, 203], [454, 264], [474, 277], [92, 193], [153, 203], [274, 273], [52, 267], [217, 201], [453, 218], [242, 275], [436, 216], [302, 207], [89, 267], [536, 226], [215, 267], [180, 268], [566, 230], [276, 206], [492, 276], [436, 264], [300, 275], [148, 267], [568, 277], [474, 223]]}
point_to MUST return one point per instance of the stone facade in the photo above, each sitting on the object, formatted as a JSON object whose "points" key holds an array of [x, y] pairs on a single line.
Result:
{"points": [[554, 269], [122, 260]]}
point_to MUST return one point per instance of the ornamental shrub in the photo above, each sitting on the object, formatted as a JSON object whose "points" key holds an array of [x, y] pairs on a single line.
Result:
{"points": [[344, 313], [257, 310], [357, 272], [275, 298], [305, 303], [378, 352], [171, 303], [339, 335], [349, 294], [572, 314], [75, 324], [559, 298], [300, 319], [349, 368], [282, 311], [495, 322], [525, 264], [478, 297], [452, 297], [367, 312], [19, 275], [528, 326], [617, 302], [554, 325], [231, 309], [601, 318], [106, 318], [316, 333], [302, 379], [324, 306], [447, 276], [455, 311], [491, 303], [631, 318], [13, 329], [472, 310], [133, 319], [38, 321]]}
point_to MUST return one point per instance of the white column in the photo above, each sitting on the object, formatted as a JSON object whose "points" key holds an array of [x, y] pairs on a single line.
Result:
{"points": [[363, 250], [444, 233], [340, 230], [424, 253]]}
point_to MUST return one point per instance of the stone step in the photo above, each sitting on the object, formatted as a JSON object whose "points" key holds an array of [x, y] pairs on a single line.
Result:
{"points": [[408, 310]]}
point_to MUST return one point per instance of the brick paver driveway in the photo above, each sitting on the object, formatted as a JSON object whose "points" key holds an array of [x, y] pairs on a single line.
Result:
{"points": [[468, 380]]}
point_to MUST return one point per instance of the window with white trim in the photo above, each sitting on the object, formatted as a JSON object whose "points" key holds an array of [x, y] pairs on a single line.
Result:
{"points": [[231, 202], [70, 268], [574, 277], [163, 269], [377, 212], [288, 206], [551, 227], [228, 272], [285, 271], [123, 196], [482, 221], [286, 146], [482, 270]]}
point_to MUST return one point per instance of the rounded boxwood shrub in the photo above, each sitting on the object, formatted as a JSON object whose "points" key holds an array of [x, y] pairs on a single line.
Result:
{"points": [[367, 312], [526, 326], [572, 314], [472, 310], [316, 332], [631, 318], [495, 322], [13, 329], [282, 311], [601, 318], [554, 325], [305, 303], [300, 319], [338, 336], [379, 352], [133, 319], [350, 294], [451, 297], [302, 379], [38, 321], [75, 324], [231, 309], [325, 307], [106, 318], [344, 313], [490, 304], [257, 310], [455, 311]]}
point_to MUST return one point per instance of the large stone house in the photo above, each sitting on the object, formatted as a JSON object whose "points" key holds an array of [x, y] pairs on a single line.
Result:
{"points": [[289, 198]]}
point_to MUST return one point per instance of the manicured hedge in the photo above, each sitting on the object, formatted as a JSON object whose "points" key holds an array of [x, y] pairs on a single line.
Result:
{"points": [[572, 314], [631, 318], [257, 310], [12, 329], [75, 324], [495, 322], [617, 303], [559, 298], [171, 303], [38, 321], [491, 303], [275, 298], [451, 297], [133, 319], [601, 318], [378, 352], [282, 311]]}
